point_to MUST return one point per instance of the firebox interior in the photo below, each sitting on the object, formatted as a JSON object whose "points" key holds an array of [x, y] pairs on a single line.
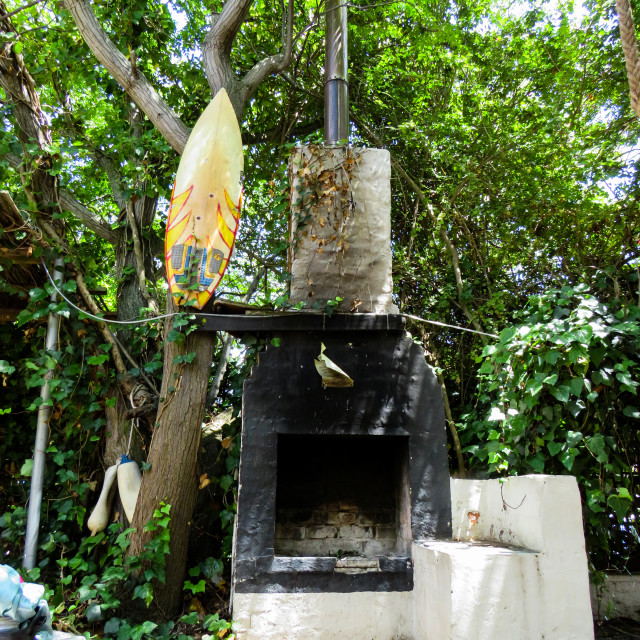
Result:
{"points": [[342, 496]]}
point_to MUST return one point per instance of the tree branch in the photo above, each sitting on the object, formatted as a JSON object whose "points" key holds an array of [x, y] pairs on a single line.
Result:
{"points": [[280, 129], [116, 355], [216, 54], [137, 251], [452, 425], [92, 221], [19, 9], [272, 64], [136, 85], [227, 23], [630, 49]]}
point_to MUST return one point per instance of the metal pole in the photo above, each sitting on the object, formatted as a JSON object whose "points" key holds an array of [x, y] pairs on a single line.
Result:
{"points": [[336, 96], [42, 437]]}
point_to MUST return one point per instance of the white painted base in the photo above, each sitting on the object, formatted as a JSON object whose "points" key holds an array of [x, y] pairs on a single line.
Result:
{"points": [[323, 616], [543, 514]]}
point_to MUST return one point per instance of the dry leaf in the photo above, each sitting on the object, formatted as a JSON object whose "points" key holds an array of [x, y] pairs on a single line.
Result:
{"points": [[332, 375], [196, 605], [226, 442], [204, 481]]}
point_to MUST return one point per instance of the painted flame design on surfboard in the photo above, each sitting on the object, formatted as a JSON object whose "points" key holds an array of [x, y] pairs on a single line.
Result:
{"points": [[204, 213]]}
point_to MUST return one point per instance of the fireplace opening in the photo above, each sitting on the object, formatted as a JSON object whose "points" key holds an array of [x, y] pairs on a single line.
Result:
{"points": [[342, 496]]}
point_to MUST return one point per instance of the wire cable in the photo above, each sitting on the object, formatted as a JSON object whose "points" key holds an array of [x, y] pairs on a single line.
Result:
{"points": [[171, 315], [449, 326], [98, 318]]}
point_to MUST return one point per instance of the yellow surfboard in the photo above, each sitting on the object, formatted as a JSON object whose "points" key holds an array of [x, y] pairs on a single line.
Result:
{"points": [[205, 205]]}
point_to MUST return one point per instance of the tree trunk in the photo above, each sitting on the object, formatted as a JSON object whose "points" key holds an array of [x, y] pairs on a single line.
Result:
{"points": [[130, 297], [174, 447], [173, 455]]}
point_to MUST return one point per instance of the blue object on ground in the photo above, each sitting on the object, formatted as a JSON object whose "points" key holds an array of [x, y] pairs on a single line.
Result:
{"points": [[23, 602]]}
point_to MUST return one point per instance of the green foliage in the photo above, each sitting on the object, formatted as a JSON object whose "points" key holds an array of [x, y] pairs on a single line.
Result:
{"points": [[559, 395], [77, 419], [106, 575], [515, 128]]}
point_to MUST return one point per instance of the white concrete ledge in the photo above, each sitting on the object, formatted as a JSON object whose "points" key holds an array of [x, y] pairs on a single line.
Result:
{"points": [[544, 514], [472, 591]]}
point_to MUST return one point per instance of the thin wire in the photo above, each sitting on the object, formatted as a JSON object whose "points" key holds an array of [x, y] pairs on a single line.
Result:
{"points": [[449, 326], [98, 318], [275, 315]]}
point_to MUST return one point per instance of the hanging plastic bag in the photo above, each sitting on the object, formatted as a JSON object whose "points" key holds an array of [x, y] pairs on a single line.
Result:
{"points": [[129, 479], [100, 515]]}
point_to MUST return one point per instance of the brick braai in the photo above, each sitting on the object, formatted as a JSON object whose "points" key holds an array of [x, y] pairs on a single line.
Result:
{"points": [[335, 483]]}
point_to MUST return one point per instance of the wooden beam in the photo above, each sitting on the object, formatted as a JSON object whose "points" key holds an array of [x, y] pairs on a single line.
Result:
{"points": [[292, 321]]}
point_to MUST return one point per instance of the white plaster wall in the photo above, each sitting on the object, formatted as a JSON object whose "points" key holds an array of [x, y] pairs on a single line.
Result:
{"points": [[544, 514], [470, 591], [618, 597], [323, 616]]}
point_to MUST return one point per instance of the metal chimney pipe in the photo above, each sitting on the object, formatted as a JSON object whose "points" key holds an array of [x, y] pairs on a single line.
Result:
{"points": [[336, 96]]}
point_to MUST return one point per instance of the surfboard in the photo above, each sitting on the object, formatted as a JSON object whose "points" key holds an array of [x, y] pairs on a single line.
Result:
{"points": [[205, 205]]}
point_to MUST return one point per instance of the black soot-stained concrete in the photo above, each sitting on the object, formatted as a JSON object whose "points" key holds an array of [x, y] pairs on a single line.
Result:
{"points": [[392, 419]]}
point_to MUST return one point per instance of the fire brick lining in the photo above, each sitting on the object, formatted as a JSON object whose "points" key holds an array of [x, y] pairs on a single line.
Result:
{"points": [[395, 394], [342, 496]]}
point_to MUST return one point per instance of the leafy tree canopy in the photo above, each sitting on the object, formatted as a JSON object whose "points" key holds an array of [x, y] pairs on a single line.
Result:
{"points": [[515, 183]]}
